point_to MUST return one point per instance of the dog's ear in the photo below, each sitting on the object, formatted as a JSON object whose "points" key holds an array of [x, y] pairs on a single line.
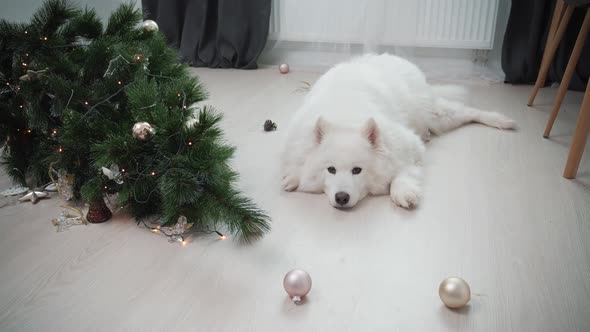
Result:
{"points": [[321, 128], [371, 132]]}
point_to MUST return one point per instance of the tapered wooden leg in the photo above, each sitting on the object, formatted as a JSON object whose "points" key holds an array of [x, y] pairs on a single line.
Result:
{"points": [[546, 62], [557, 15], [569, 71], [580, 138]]}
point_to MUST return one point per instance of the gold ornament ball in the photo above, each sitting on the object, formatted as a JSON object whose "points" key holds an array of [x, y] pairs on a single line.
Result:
{"points": [[138, 57], [142, 131], [150, 26], [454, 292]]}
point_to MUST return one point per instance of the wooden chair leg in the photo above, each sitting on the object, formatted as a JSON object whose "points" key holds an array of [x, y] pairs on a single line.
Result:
{"points": [[569, 71], [557, 15], [580, 138], [546, 63]]}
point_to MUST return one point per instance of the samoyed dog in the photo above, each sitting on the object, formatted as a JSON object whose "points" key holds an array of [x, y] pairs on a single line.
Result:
{"points": [[362, 127]]}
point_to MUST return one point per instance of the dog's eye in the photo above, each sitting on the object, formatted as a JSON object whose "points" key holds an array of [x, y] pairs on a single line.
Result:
{"points": [[332, 170], [356, 170]]}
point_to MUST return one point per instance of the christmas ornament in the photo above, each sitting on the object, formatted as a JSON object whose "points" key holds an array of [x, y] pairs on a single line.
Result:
{"points": [[454, 292], [67, 219], [113, 173], [138, 57], [269, 125], [149, 26], [284, 68], [14, 191], [51, 187], [64, 183], [175, 232], [297, 283], [142, 131], [32, 75], [34, 196], [98, 212]]}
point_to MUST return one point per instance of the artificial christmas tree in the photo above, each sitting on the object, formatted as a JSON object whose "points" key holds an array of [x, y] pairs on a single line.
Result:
{"points": [[82, 98]]}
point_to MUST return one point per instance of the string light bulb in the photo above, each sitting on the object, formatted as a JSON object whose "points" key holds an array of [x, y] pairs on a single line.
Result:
{"points": [[183, 243], [24, 64], [153, 173], [60, 149], [28, 131], [178, 94], [221, 236], [122, 170], [119, 82], [86, 102], [20, 106], [26, 32], [190, 143]]}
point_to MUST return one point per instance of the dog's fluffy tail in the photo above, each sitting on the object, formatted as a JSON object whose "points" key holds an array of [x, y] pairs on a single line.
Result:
{"points": [[450, 112]]}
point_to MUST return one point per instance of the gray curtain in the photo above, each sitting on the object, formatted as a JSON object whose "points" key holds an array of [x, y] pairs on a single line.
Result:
{"points": [[524, 42], [213, 33]]}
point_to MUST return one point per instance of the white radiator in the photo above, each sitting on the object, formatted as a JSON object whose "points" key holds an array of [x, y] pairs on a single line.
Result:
{"points": [[468, 24]]}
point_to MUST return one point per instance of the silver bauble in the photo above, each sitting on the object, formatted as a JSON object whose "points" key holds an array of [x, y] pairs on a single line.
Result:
{"points": [[284, 68], [454, 292], [150, 26], [297, 283], [142, 131]]}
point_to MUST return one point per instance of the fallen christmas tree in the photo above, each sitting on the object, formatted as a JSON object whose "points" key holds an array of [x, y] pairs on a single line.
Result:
{"points": [[109, 107]]}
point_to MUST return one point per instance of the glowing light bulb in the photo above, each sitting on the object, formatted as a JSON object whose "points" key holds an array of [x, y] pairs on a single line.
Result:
{"points": [[184, 242], [119, 82], [190, 143], [86, 103], [153, 173]]}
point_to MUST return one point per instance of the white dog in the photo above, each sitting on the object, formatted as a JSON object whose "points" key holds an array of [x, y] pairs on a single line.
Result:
{"points": [[362, 127]]}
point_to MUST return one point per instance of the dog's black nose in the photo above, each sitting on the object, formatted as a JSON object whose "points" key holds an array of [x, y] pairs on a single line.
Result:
{"points": [[342, 198]]}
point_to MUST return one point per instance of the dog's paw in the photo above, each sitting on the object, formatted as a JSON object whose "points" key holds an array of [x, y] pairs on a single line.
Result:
{"points": [[408, 198], [290, 182], [501, 121]]}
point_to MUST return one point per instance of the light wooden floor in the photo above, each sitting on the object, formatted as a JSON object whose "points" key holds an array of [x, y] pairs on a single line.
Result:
{"points": [[496, 211]]}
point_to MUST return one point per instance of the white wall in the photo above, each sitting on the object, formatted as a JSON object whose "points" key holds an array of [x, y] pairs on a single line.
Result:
{"points": [[21, 10]]}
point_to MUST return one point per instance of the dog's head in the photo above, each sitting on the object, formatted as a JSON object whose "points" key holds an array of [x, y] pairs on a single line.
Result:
{"points": [[346, 157]]}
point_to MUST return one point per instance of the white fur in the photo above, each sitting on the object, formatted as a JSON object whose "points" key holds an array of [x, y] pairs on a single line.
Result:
{"points": [[374, 112]]}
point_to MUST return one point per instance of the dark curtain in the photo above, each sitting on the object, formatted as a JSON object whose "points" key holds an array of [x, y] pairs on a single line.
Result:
{"points": [[524, 43], [213, 33]]}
